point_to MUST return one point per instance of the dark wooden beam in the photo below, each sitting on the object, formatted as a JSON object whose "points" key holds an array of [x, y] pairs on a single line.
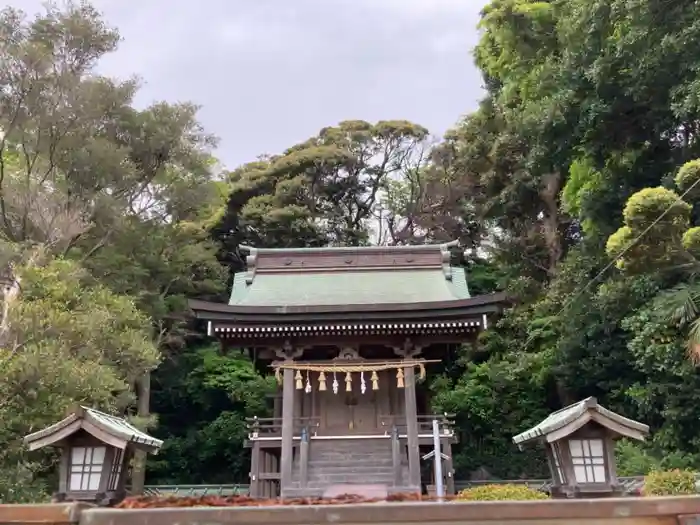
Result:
{"points": [[297, 313], [412, 427], [287, 429]]}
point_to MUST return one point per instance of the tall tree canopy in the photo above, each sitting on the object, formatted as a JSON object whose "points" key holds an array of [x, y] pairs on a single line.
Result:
{"points": [[103, 233]]}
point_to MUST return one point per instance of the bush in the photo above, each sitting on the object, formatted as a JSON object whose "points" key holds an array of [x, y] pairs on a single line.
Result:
{"points": [[18, 484], [633, 459], [669, 483], [501, 493]]}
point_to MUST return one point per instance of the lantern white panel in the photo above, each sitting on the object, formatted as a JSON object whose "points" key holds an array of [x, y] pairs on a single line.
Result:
{"points": [[86, 468], [588, 458]]}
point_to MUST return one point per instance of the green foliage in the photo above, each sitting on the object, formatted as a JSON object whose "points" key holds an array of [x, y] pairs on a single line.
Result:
{"points": [[19, 482], [647, 205], [102, 230], [486, 393], [203, 397], [68, 340], [687, 179], [583, 185], [501, 493], [634, 460], [670, 483], [112, 216], [655, 221], [325, 190], [691, 241]]}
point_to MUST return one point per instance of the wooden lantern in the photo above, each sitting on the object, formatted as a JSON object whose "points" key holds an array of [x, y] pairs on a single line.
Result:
{"points": [[580, 446], [95, 450]]}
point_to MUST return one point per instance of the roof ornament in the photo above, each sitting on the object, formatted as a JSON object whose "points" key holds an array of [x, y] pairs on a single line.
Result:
{"points": [[446, 252], [348, 353], [250, 261]]}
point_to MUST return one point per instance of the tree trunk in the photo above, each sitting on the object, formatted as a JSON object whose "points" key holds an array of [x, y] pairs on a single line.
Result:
{"points": [[550, 222], [11, 283], [138, 472]]}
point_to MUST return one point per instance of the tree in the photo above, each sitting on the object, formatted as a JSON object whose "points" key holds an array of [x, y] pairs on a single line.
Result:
{"points": [[327, 190], [70, 340], [85, 178], [575, 122], [657, 237], [203, 398]]}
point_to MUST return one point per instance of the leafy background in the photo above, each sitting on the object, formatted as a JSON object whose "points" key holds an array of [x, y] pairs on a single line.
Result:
{"points": [[110, 217]]}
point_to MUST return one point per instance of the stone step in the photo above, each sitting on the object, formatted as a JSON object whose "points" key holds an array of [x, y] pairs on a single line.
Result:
{"points": [[308, 492], [332, 463], [334, 479], [360, 476], [295, 491], [348, 455], [317, 491], [351, 472], [351, 467], [353, 456], [379, 444]]}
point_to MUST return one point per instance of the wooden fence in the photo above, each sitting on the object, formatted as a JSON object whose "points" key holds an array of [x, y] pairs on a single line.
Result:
{"points": [[622, 511]]}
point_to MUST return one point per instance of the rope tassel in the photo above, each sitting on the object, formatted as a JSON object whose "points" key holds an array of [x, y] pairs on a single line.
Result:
{"points": [[348, 382], [375, 381], [299, 380], [322, 381], [399, 378]]}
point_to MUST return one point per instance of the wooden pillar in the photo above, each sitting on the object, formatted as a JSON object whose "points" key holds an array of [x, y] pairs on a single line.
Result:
{"points": [[64, 469], [304, 459], [286, 457], [396, 457], [255, 482], [449, 468], [412, 428]]}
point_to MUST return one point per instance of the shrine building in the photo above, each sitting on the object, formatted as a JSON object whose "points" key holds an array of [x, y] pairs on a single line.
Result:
{"points": [[349, 333]]}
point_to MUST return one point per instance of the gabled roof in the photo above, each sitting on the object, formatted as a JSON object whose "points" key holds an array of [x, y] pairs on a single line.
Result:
{"points": [[568, 420], [349, 276], [360, 291], [110, 429]]}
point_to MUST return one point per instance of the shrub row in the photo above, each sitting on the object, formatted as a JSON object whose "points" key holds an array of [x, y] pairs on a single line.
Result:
{"points": [[658, 483]]}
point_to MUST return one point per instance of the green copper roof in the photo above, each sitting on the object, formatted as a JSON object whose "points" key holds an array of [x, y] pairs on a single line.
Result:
{"points": [[566, 415], [340, 276], [114, 426], [353, 287], [120, 428]]}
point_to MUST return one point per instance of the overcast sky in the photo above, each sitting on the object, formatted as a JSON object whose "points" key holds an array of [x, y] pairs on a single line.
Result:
{"points": [[271, 73]]}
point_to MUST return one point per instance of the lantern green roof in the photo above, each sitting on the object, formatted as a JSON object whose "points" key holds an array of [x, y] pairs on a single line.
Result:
{"points": [[575, 416], [349, 276], [106, 427]]}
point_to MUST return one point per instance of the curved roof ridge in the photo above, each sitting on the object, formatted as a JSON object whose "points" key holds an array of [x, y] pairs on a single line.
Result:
{"points": [[339, 249]]}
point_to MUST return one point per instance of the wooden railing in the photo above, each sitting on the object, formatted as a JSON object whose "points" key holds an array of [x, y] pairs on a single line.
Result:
{"points": [[425, 423], [266, 427]]}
